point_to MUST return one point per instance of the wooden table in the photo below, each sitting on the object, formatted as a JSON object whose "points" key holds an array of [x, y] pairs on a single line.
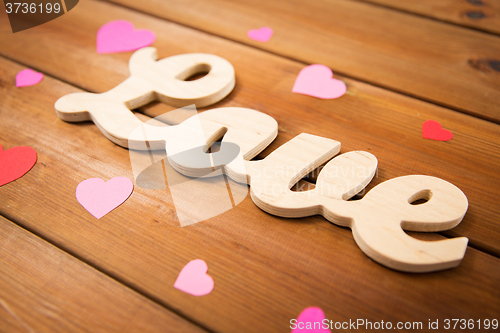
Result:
{"points": [[404, 62]]}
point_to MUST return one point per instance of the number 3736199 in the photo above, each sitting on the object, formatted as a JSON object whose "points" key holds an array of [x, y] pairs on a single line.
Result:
{"points": [[32, 8]]}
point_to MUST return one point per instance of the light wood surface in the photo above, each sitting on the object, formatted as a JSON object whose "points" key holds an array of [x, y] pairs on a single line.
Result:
{"points": [[266, 269]]}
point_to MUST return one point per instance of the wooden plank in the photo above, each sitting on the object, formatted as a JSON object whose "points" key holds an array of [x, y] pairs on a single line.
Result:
{"points": [[477, 14], [266, 269], [43, 289], [434, 61], [367, 118]]}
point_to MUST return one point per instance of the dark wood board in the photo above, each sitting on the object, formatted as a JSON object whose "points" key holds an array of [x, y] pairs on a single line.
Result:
{"points": [[477, 14], [446, 64]]}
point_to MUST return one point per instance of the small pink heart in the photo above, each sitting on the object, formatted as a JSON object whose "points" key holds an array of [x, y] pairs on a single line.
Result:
{"points": [[432, 129], [120, 36], [316, 80], [28, 77], [310, 320], [194, 280], [263, 34], [100, 198]]}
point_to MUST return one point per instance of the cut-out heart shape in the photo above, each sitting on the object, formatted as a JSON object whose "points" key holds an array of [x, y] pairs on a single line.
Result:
{"points": [[15, 163], [28, 77], [120, 36], [433, 130], [263, 34], [100, 198], [194, 280], [310, 320], [317, 81]]}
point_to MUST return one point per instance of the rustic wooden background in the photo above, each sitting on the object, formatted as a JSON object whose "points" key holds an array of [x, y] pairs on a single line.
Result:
{"points": [[404, 62]]}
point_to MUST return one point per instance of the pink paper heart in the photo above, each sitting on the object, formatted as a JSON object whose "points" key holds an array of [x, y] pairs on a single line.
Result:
{"points": [[316, 80], [120, 36], [28, 77], [194, 280], [263, 34], [432, 129], [310, 320], [100, 198]]}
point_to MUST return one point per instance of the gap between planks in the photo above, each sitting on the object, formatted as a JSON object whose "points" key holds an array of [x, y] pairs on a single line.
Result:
{"points": [[107, 273], [141, 114], [134, 289], [345, 74]]}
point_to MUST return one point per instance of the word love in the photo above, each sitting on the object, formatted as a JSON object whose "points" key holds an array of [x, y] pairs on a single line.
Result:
{"points": [[377, 220]]}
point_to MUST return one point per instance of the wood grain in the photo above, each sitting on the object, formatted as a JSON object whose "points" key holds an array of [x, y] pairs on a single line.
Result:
{"points": [[368, 118], [46, 290], [448, 65], [266, 269], [477, 14]]}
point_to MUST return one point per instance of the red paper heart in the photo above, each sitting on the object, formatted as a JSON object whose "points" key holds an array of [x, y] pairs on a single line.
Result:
{"points": [[432, 129], [15, 163]]}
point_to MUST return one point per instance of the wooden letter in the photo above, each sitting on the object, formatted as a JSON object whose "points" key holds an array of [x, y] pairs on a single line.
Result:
{"points": [[150, 80]]}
